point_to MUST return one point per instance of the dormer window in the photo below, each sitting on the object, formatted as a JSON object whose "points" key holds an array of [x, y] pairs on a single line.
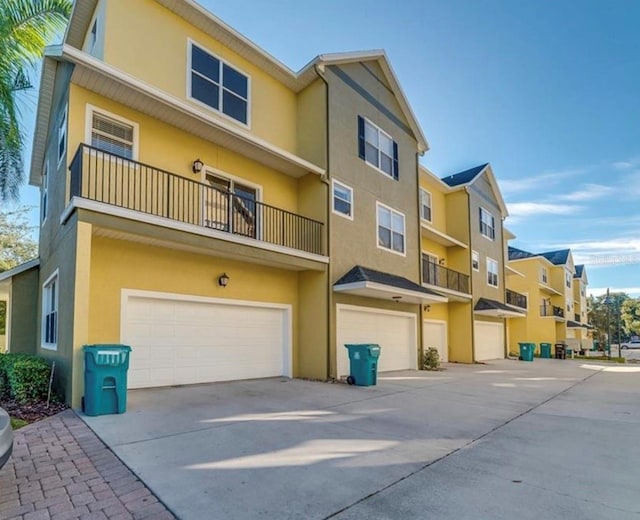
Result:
{"points": [[217, 84]]}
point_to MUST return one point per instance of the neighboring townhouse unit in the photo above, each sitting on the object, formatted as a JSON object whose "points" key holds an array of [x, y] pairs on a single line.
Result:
{"points": [[463, 246], [578, 328], [547, 279], [19, 293]]}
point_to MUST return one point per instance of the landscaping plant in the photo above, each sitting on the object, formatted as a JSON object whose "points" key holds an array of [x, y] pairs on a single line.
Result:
{"points": [[431, 359]]}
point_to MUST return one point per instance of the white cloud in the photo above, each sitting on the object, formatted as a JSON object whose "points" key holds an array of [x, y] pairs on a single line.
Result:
{"points": [[526, 209], [538, 181], [588, 192]]}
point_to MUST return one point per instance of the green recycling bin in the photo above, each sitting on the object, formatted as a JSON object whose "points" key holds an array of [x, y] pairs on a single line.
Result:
{"points": [[363, 364], [526, 351], [105, 379], [545, 350]]}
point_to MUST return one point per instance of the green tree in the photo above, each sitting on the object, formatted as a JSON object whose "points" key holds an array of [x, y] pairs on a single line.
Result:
{"points": [[25, 28], [16, 242], [631, 317], [604, 315]]}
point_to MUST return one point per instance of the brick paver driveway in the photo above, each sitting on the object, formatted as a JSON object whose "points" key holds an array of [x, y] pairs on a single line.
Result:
{"points": [[61, 470]]}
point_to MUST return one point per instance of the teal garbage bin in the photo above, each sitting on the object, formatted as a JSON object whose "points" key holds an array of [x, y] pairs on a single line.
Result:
{"points": [[526, 351], [545, 350], [363, 364], [105, 379]]}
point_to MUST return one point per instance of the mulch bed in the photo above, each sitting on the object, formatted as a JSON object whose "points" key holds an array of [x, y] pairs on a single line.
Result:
{"points": [[33, 411]]}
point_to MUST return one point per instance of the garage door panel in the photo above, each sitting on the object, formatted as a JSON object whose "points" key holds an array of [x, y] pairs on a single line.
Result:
{"points": [[181, 342], [395, 332], [488, 340]]}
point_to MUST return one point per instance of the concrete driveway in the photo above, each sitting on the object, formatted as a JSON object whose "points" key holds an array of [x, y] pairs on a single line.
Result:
{"points": [[492, 441]]}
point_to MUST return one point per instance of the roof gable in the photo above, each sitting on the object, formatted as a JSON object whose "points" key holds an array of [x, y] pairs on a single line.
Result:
{"points": [[470, 176], [559, 257]]}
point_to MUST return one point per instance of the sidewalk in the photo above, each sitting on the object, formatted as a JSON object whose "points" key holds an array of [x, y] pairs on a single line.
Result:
{"points": [[60, 470]]}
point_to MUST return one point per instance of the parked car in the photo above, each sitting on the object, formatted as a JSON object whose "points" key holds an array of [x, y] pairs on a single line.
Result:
{"points": [[634, 343], [6, 437]]}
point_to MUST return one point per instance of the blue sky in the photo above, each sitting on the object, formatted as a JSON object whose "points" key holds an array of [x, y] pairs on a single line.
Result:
{"points": [[546, 91]]}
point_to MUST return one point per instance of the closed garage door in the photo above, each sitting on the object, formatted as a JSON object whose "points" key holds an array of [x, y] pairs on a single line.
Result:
{"points": [[489, 340], [184, 340], [395, 332]]}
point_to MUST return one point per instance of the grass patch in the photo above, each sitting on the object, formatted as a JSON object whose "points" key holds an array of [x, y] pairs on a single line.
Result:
{"points": [[16, 424], [602, 358]]}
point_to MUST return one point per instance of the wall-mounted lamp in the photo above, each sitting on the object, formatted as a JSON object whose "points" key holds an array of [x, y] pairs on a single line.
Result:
{"points": [[197, 166], [223, 280], [396, 298], [441, 261], [427, 308]]}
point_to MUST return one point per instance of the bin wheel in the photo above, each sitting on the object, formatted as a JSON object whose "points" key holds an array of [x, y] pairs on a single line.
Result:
{"points": [[351, 380]]}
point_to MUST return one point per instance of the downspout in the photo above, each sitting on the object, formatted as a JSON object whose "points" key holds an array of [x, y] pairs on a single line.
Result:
{"points": [[473, 329], [326, 178]]}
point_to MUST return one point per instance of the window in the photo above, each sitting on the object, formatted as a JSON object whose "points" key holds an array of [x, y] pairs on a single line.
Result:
{"points": [[544, 275], [112, 134], [342, 199], [492, 272], [390, 229], [62, 135], [425, 205], [45, 191], [218, 85], [487, 224], [475, 260], [567, 278], [581, 289], [50, 313], [377, 148]]}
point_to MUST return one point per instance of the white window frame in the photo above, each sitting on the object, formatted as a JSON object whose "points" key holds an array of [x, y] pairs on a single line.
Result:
{"points": [[582, 291], [335, 183], [483, 212], [424, 192], [491, 261], [44, 201], [567, 279], [46, 311], [380, 205], [88, 127], [477, 257], [544, 275], [62, 135], [388, 136], [190, 44]]}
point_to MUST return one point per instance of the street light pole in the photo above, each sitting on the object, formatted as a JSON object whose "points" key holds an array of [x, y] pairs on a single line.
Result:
{"points": [[607, 301], [619, 338]]}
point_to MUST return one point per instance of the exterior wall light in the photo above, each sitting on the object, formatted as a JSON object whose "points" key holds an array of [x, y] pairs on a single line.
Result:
{"points": [[197, 166], [427, 308], [223, 280]]}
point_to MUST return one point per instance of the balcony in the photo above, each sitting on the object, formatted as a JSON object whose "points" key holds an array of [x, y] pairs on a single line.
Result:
{"points": [[440, 276], [110, 179], [551, 310], [516, 299]]}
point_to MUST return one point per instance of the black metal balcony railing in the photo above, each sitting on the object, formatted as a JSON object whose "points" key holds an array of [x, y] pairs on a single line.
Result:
{"points": [[104, 177], [435, 274], [551, 310], [516, 299]]}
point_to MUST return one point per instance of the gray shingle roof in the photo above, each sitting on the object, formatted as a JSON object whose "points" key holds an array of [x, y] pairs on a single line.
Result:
{"points": [[464, 177], [579, 271], [485, 304], [363, 274], [518, 254], [557, 257]]}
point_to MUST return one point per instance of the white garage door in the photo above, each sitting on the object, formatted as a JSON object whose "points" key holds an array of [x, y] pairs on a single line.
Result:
{"points": [[395, 332], [184, 340], [489, 340]]}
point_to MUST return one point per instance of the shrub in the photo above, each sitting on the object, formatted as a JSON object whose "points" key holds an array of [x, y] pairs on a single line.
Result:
{"points": [[25, 377], [431, 359]]}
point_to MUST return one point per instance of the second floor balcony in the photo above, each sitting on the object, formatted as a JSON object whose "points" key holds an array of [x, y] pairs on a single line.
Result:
{"points": [[516, 299], [110, 179], [443, 277], [547, 310]]}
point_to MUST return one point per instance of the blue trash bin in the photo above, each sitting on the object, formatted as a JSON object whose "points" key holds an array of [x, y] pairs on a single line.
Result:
{"points": [[105, 379], [363, 364]]}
